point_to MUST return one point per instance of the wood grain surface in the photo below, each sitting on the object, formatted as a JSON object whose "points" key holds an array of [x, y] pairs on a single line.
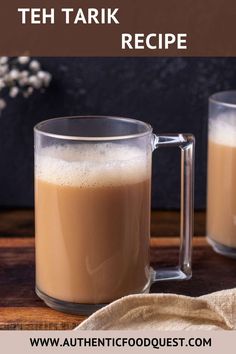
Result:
{"points": [[20, 308], [15, 222]]}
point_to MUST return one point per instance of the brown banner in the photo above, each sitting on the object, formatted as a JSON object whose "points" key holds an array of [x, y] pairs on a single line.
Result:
{"points": [[103, 27]]}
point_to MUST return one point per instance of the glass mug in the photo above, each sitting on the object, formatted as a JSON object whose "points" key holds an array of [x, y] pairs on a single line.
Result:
{"points": [[221, 189], [92, 209]]}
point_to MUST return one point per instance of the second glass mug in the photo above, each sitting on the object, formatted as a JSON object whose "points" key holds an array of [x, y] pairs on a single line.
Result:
{"points": [[92, 209]]}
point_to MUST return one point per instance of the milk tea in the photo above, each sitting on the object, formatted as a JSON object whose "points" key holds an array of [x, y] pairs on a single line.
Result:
{"points": [[92, 221], [221, 197]]}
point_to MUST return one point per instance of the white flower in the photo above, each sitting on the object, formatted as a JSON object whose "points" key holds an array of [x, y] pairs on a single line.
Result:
{"points": [[24, 81], [23, 60], [23, 78], [7, 80], [24, 74], [44, 77], [34, 65], [14, 74], [35, 82], [21, 75], [2, 84], [47, 79], [30, 90], [41, 75], [3, 60], [14, 91], [3, 69], [2, 104]]}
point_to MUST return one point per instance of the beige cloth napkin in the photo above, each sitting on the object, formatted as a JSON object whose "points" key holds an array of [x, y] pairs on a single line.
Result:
{"points": [[166, 312]]}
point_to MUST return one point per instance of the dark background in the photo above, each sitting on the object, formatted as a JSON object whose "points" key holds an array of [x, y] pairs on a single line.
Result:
{"points": [[170, 93]]}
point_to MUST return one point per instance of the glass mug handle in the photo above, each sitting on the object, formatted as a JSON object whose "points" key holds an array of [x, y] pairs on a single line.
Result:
{"points": [[186, 143]]}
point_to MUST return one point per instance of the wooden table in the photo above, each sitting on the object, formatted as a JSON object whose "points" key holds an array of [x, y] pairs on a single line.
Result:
{"points": [[20, 308]]}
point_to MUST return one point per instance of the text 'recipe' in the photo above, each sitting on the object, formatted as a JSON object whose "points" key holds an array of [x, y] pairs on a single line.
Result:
{"points": [[103, 16]]}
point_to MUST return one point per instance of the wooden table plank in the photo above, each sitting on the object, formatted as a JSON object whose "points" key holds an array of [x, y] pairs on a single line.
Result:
{"points": [[16, 222], [36, 318], [20, 308], [20, 222]]}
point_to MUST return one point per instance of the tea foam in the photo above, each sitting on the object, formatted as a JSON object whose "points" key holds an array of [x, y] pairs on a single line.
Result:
{"points": [[222, 129], [88, 165]]}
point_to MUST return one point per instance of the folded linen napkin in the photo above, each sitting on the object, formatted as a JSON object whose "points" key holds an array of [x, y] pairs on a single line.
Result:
{"points": [[166, 312]]}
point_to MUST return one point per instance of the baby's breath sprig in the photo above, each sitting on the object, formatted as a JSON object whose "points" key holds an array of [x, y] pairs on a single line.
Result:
{"points": [[21, 76]]}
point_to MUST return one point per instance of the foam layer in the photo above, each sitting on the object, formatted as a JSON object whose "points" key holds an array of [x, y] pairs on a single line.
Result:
{"points": [[222, 130], [95, 165]]}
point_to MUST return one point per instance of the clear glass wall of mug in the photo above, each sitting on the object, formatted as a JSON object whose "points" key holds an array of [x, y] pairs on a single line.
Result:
{"points": [[92, 210], [221, 184]]}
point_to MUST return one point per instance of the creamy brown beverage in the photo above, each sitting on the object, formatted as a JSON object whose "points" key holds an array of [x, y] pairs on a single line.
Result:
{"points": [[221, 201], [92, 221]]}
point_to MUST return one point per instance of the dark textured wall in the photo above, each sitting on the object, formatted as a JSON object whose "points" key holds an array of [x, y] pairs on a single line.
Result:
{"points": [[170, 93]]}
